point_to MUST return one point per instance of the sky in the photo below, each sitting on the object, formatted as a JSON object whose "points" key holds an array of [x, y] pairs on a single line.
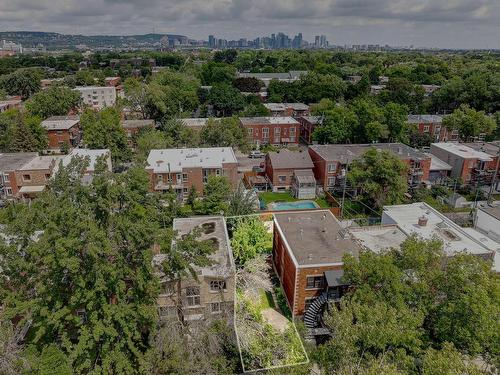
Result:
{"points": [[422, 23]]}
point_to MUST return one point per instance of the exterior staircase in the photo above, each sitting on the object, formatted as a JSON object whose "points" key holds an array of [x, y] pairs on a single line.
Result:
{"points": [[313, 313]]}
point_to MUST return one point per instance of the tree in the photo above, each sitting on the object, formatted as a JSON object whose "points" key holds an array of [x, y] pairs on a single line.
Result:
{"points": [[226, 99], [102, 130], [224, 132], [337, 127], [395, 117], [380, 176], [20, 132], [248, 84], [367, 112], [313, 87], [54, 101], [53, 361], [181, 135], [227, 56], [12, 359], [136, 94], [250, 239], [192, 197], [151, 139], [376, 131], [217, 73], [215, 195], [242, 201], [22, 82], [469, 122], [402, 91]]}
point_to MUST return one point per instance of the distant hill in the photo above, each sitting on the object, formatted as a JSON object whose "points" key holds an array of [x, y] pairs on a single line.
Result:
{"points": [[56, 40]]}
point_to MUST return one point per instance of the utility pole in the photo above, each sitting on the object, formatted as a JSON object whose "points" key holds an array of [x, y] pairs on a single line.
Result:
{"points": [[494, 178]]}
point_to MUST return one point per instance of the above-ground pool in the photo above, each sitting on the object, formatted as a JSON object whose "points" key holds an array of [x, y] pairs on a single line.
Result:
{"points": [[299, 205]]}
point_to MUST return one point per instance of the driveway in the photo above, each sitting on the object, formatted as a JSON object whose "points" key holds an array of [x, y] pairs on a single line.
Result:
{"points": [[245, 164]]}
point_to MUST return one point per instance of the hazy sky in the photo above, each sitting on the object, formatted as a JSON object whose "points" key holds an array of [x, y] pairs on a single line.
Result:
{"points": [[432, 23]]}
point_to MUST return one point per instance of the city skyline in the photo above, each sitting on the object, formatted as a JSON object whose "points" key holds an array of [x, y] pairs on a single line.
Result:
{"points": [[443, 24]]}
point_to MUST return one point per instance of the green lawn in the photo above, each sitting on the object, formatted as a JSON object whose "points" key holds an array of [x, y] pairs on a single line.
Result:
{"points": [[322, 202], [267, 300], [270, 197]]}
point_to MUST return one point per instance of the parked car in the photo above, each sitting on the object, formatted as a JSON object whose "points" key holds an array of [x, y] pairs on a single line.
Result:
{"points": [[255, 154]]}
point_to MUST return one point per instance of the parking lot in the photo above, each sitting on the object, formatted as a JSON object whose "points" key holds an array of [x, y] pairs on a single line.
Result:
{"points": [[246, 164]]}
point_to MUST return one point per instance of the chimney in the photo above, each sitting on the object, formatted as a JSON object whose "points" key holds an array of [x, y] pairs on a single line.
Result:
{"points": [[422, 221]]}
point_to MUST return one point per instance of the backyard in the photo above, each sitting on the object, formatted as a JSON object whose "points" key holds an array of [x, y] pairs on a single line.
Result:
{"points": [[267, 337], [271, 197]]}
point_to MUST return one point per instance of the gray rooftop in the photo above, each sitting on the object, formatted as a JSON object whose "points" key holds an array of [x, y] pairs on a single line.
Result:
{"points": [[15, 160], [437, 164], [175, 159], [213, 229], [305, 176], [347, 153], [425, 119], [284, 106], [286, 159], [492, 211], [131, 124], [491, 148], [60, 122], [315, 237], [312, 119], [286, 120]]}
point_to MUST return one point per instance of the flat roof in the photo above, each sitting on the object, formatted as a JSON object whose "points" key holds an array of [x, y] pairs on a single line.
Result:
{"points": [[84, 88], [348, 152], [60, 122], [284, 106], [286, 159], [130, 124], [491, 148], [197, 122], [490, 243], [268, 120], [425, 119], [462, 150], [378, 238], [174, 160], [32, 189], [214, 229], [41, 162], [315, 237], [437, 164], [455, 239], [492, 211], [12, 161]]}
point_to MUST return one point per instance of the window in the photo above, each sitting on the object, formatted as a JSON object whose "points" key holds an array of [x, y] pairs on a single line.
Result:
{"points": [[250, 131], [169, 177], [9, 191], [167, 288], [159, 177], [437, 130], [217, 172], [426, 128], [178, 177], [193, 296], [184, 177], [6, 177], [282, 178], [314, 282], [166, 311], [265, 132], [217, 285], [331, 181], [277, 131], [216, 307], [308, 303], [26, 177], [292, 132], [332, 167], [185, 190]]}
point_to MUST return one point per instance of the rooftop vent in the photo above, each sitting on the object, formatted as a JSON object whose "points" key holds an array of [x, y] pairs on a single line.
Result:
{"points": [[422, 221]]}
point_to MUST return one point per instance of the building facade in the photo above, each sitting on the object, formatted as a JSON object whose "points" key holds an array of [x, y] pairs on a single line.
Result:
{"points": [[432, 125], [9, 164], [307, 126], [278, 131], [179, 169], [280, 168], [98, 97], [63, 130], [294, 110]]}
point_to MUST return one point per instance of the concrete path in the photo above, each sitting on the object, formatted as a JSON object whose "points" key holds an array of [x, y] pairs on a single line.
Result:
{"points": [[274, 318]]}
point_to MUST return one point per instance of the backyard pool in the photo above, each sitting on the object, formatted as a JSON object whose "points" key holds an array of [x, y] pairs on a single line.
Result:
{"points": [[284, 206]]}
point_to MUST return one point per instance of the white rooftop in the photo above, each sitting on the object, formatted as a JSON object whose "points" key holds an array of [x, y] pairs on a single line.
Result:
{"points": [[489, 243], [268, 120], [175, 159], [462, 151], [194, 122], [378, 238], [60, 122], [284, 106], [437, 164], [83, 88], [41, 163], [455, 239]]}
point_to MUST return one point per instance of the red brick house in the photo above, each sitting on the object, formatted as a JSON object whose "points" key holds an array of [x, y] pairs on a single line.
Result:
{"points": [[433, 126], [307, 256], [180, 169], [63, 129], [278, 131], [330, 162], [112, 81], [9, 164], [280, 167], [307, 126]]}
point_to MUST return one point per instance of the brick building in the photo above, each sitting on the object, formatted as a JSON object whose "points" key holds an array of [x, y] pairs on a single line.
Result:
{"points": [[211, 293], [271, 130], [307, 126], [330, 162], [468, 164], [112, 81], [63, 130], [9, 164], [132, 128], [287, 109], [32, 177], [283, 168], [307, 256], [6, 105], [433, 126], [180, 169]]}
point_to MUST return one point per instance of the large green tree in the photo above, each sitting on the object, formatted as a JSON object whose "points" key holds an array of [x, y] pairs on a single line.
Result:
{"points": [[469, 122], [21, 132], [380, 176], [22, 82], [226, 99], [54, 101], [224, 132]]}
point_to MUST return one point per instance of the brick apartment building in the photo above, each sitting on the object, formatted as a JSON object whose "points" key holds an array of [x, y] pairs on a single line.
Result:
{"points": [[112, 81], [283, 168], [180, 169], [13, 103], [307, 256], [132, 128], [98, 97], [9, 164], [63, 130], [330, 162], [307, 126], [278, 131], [471, 163], [211, 293], [433, 126], [287, 109], [32, 177]]}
